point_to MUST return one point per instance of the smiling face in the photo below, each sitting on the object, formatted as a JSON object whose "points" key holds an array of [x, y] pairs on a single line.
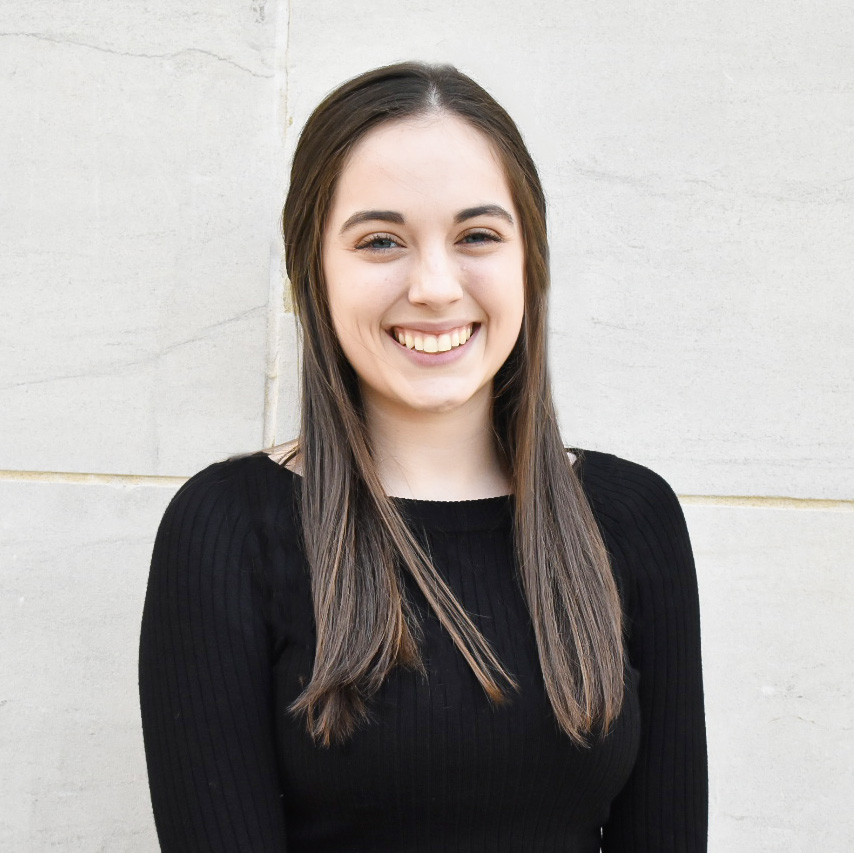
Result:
{"points": [[423, 258]]}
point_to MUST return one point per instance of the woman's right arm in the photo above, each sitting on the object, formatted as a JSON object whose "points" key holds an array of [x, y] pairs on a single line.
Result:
{"points": [[205, 681]]}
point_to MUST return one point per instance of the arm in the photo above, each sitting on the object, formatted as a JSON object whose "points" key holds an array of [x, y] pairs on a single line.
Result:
{"points": [[663, 807], [205, 680]]}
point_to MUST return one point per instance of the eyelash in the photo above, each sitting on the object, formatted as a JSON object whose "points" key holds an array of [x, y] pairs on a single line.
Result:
{"points": [[488, 237], [376, 238]]}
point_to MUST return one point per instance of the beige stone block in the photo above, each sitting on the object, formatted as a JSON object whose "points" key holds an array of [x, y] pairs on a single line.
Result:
{"points": [[74, 569], [776, 588], [141, 187]]}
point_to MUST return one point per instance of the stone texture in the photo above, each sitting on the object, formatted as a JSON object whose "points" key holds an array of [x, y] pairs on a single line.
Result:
{"points": [[74, 564], [776, 588], [139, 205]]}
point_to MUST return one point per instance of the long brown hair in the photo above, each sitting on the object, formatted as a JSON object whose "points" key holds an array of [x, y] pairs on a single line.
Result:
{"points": [[356, 541]]}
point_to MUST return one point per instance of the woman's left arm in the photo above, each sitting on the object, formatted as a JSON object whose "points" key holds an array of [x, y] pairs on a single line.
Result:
{"points": [[205, 678], [663, 807]]}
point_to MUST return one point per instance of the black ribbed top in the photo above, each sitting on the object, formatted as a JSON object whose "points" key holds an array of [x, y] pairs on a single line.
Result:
{"points": [[227, 643]]}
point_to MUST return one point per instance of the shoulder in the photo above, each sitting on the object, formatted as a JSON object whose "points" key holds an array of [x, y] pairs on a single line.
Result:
{"points": [[237, 491], [640, 517], [215, 536], [645, 533], [626, 490], [228, 477]]}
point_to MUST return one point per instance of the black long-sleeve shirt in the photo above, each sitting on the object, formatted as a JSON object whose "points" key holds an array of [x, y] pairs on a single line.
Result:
{"points": [[228, 641]]}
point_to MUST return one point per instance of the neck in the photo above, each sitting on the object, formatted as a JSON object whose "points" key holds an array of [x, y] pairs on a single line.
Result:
{"points": [[440, 456]]}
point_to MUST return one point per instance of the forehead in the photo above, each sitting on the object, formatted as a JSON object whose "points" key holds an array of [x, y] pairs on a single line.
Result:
{"points": [[436, 159]]}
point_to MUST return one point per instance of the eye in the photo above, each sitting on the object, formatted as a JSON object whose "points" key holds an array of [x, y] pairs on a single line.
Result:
{"points": [[379, 243], [475, 238]]}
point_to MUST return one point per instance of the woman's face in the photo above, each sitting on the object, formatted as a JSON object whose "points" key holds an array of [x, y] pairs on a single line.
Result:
{"points": [[423, 257]]}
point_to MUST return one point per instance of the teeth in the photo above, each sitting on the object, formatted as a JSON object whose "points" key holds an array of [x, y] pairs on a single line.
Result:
{"points": [[434, 343]]}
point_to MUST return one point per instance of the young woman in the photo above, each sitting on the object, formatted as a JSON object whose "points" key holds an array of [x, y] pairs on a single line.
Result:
{"points": [[423, 625]]}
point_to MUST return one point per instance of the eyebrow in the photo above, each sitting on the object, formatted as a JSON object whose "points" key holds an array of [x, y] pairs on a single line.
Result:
{"points": [[397, 218], [483, 210], [372, 216]]}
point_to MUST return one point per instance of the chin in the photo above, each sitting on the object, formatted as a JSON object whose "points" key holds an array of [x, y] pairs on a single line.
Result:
{"points": [[434, 405], [442, 408], [442, 400]]}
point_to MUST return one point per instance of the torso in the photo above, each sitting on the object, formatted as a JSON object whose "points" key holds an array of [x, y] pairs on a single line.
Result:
{"points": [[438, 758]]}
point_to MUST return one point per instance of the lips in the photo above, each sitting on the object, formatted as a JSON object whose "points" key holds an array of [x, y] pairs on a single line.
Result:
{"points": [[439, 341]]}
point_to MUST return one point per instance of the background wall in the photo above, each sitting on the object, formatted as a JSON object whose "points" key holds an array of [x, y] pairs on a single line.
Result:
{"points": [[699, 160]]}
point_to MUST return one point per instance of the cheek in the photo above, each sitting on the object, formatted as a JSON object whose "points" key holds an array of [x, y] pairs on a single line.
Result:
{"points": [[357, 289], [500, 290], [342, 292], [359, 305], [517, 290]]}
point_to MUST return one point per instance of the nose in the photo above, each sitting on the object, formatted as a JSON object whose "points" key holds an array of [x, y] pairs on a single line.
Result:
{"points": [[435, 279]]}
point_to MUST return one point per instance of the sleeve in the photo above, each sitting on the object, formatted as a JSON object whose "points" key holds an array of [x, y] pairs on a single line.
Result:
{"points": [[205, 680], [663, 807]]}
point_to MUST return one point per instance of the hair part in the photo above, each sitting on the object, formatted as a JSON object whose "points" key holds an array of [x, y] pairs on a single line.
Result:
{"points": [[356, 541]]}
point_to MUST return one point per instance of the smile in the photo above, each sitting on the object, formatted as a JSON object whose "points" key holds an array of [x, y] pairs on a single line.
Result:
{"points": [[424, 342]]}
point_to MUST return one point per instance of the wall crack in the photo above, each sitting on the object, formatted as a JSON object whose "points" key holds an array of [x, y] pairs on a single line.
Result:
{"points": [[188, 51]]}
